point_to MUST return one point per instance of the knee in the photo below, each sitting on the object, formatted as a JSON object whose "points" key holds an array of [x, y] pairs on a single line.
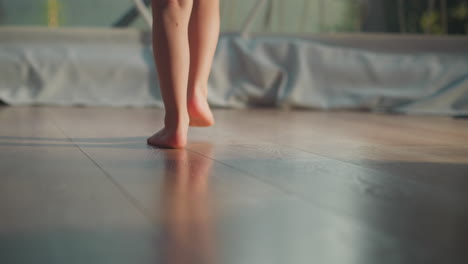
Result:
{"points": [[171, 5], [171, 12]]}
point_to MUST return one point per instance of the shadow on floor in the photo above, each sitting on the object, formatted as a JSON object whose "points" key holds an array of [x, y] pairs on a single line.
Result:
{"points": [[85, 140], [122, 142]]}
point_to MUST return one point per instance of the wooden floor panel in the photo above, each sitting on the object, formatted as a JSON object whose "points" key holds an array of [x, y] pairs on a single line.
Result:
{"points": [[170, 184], [56, 205], [261, 186], [424, 157]]}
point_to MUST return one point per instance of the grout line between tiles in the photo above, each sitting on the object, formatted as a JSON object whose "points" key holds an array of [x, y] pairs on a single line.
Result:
{"points": [[133, 201]]}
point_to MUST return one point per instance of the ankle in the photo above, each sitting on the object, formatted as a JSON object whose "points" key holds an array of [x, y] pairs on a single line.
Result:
{"points": [[197, 92], [177, 122]]}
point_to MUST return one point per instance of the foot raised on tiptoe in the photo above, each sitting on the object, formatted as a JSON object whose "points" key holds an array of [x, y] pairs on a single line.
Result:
{"points": [[199, 111]]}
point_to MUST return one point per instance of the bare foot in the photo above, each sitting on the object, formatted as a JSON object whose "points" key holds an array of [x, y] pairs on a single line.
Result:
{"points": [[168, 138], [199, 111], [174, 133]]}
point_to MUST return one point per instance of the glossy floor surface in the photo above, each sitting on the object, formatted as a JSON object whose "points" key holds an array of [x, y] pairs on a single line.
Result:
{"points": [[79, 185]]}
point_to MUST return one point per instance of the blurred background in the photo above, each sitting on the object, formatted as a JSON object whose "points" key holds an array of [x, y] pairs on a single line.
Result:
{"points": [[405, 56], [279, 16]]}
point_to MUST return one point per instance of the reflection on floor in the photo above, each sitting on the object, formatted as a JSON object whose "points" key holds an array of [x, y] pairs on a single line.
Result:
{"points": [[79, 185]]}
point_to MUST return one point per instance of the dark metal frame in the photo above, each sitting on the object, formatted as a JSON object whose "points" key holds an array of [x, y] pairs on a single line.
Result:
{"points": [[130, 16]]}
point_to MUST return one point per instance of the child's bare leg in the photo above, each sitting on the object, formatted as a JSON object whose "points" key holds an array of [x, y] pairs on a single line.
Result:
{"points": [[203, 38], [172, 56]]}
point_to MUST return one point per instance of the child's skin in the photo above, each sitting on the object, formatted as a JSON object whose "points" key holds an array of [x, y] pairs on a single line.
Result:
{"points": [[185, 35]]}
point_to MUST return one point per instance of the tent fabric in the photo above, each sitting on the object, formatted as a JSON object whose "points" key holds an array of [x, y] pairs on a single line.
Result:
{"points": [[109, 67]]}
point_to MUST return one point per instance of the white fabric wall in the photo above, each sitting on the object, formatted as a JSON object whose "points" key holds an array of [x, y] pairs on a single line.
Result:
{"points": [[407, 74]]}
